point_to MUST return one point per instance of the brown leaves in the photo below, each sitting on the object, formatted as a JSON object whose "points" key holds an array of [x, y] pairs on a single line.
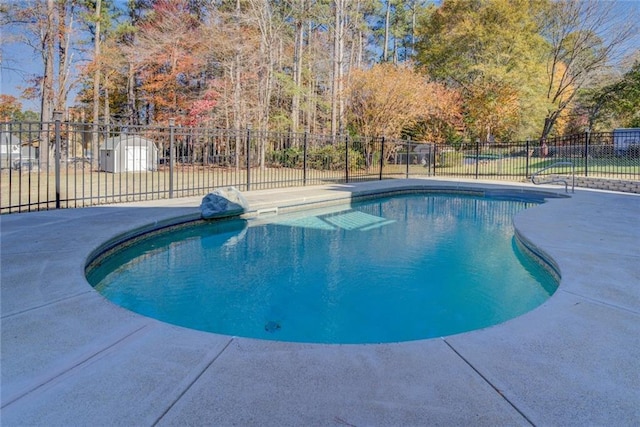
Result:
{"points": [[9, 107], [386, 99], [493, 108], [168, 57]]}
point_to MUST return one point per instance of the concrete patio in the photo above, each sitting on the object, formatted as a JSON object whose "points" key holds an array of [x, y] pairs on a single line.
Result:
{"points": [[71, 358]]}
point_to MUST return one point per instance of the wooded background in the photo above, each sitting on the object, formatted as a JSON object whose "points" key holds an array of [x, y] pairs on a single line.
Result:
{"points": [[487, 70]]}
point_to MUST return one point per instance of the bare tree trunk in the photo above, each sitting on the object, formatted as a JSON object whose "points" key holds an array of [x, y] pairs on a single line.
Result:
{"points": [[336, 86], [297, 70], [359, 49], [107, 112], [414, 7], [387, 18], [310, 94], [64, 42], [46, 100], [395, 51], [131, 97], [312, 107], [265, 90], [341, 69], [47, 57], [96, 84], [236, 87]]}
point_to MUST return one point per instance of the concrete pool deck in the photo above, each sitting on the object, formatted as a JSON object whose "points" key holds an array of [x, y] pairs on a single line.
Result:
{"points": [[70, 358]]}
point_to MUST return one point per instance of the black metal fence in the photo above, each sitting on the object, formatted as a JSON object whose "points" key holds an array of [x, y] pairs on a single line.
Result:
{"points": [[62, 165]]}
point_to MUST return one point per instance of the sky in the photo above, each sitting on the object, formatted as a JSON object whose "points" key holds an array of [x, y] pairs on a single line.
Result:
{"points": [[19, 62]]}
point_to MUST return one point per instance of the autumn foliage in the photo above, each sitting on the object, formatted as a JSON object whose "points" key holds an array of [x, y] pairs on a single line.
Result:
{"points": [[168, 58], [9, 107], [430, 71], [388, 99]]}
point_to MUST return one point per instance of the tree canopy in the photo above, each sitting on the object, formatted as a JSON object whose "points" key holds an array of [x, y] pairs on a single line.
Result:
{"points": [[459, 69]]}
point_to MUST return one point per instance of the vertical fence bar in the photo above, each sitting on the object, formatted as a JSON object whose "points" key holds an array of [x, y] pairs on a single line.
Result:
{"points": [[381, 157], [526, 168], [477, 157], [28, 178], [586, 152], [112, 175], [406, 167], [248, 154], [346, 158], [172, 155], [57, 116], [9, 165], [304, 159], [434, 148]]}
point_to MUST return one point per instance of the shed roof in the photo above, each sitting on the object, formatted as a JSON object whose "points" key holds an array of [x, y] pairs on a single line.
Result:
{"points": [[126, 140]]}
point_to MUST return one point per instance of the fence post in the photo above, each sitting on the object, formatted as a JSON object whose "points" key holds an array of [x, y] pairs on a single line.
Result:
{"points": [[346, 158], [248, 154], [57, 117], [587, 135], [406, 171], [381, 156], [432, 159], [477, 157], [304, 159], [435, 156], [526, 169], [172, 154]]}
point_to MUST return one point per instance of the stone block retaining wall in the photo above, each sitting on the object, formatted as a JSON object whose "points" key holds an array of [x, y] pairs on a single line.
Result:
{"points": [[626, 186]]}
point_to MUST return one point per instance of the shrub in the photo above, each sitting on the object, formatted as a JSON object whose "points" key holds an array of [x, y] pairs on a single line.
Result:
{"points": [[288, 158], [331, 157], [451, 158]]}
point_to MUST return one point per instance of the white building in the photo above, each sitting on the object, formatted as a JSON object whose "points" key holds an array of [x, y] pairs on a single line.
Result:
{"points": [[128, 153], [13, 153]]}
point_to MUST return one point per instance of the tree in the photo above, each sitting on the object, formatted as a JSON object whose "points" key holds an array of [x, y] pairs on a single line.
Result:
{"points": [[583, 35], [442, 119], [492, 52], [625, 98], [97, 18], [11, 111], [47, 27], [300, 17], [318, 68], [611, 104], [232, 43], [10, 108], [337, 102], [96, 73], [50, 30], [493, 110], [167, 56], [387, 99], [393, 28]]}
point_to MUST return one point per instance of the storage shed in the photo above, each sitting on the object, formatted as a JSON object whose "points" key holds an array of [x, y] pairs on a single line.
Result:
{"points": [[13, 152], [128, 153]]}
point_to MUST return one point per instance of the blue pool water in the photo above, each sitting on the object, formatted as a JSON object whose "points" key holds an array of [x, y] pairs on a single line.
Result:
{"points": [[384, 270]]}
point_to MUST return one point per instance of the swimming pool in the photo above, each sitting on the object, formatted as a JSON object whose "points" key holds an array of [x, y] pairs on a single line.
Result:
{"points": [[383, 270]]}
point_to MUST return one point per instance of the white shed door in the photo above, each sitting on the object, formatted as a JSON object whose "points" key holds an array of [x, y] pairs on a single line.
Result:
{"points": [[136, 159]]}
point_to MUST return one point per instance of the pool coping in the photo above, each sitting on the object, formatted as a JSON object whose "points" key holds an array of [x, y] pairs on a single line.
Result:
{"points": [[71, 357]]}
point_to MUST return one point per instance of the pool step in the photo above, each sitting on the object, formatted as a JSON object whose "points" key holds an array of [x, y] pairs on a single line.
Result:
{"points": [[267, 211]]}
